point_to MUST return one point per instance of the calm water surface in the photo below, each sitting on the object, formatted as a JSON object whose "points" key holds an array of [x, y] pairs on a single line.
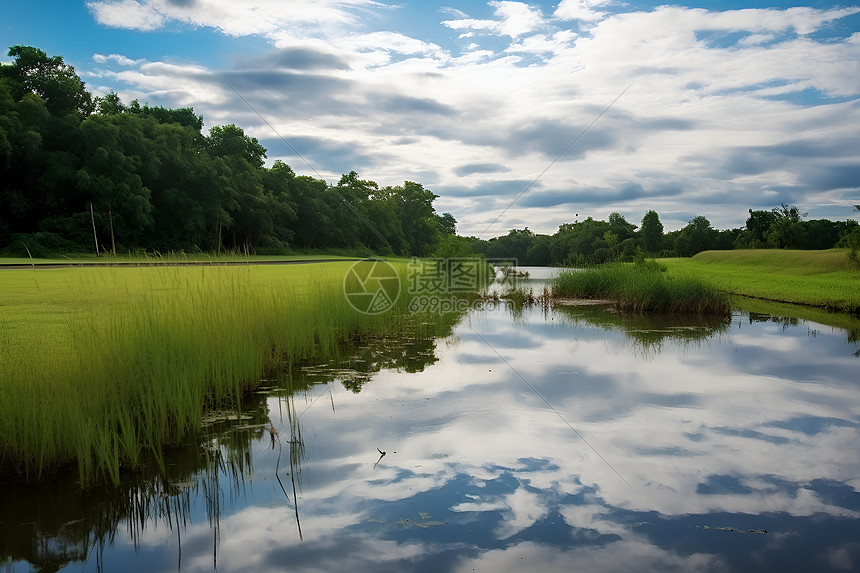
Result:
{"points": [[569, 440]]}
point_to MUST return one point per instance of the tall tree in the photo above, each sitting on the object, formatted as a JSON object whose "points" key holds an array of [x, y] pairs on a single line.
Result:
{"points": [[757, 225], [50, 78], [651, 232], [696, 237]]}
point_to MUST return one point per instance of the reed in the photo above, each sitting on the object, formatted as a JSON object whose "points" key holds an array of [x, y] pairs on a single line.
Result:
{"points": [[100, 368], [642, 287]]}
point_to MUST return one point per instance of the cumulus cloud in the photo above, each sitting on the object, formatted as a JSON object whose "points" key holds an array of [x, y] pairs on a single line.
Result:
{"points": [[127, 14], [514, 19], [584, 10], [115, 58], [707, 88], [267, 17]]}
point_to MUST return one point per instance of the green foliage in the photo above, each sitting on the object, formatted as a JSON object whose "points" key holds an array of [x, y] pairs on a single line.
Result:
{"points": [[156, 182], [850, 239], [651, 232], [49, 78]]}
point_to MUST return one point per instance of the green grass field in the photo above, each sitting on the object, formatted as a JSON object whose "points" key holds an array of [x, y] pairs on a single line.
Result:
{"points": [[823, 279], [155, 259], [100, 367]]}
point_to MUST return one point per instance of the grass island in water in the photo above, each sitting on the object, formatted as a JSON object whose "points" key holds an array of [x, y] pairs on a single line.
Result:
{"points": [[641, 287]]}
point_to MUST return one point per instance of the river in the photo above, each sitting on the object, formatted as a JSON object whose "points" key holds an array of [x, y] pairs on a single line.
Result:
{"points": [[559, 439]]}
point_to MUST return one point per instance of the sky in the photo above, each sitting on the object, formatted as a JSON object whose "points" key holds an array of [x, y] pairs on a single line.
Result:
{"points": [[516, 114]]}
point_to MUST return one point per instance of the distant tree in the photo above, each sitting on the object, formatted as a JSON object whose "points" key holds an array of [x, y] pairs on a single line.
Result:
{"points": [[109, 104], [757, 225], [786, 230], [538, 254], [620, 227], [696, 237], [651, 232], [447, 224], [850, 238]]}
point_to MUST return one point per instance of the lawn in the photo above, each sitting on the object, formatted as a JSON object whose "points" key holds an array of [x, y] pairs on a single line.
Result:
{"points": [[823, 279]]}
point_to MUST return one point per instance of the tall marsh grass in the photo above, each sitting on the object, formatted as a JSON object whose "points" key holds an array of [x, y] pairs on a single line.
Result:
{"points": [[642, 287], [99, 368]]}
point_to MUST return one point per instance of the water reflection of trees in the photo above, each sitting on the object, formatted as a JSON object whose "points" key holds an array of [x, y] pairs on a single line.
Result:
{"points": [[648, 331], [411, 347], [53, 524], [853, 334]]}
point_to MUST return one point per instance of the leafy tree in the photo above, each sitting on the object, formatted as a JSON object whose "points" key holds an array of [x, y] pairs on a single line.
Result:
{"points": [[539, 253], [850, 239], [620, 227], [757, 225], [111, 175], [50, 78], [357, 221], [277, 183], [447, 224], [109, 104], [786, 230], [696, 237], [651, 232], [239, 161], [580, 243], [417, 217]]}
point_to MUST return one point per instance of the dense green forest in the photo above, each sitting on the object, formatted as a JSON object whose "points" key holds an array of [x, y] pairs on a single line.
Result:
{"points": [[148, 178], [152, 180]]}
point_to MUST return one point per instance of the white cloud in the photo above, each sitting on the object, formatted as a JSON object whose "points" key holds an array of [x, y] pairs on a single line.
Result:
{"points": [[397, 107], [267, 17], [514, 20], [115, 58], [517, 18], [583, 10], [127, 14], [620, 556]]}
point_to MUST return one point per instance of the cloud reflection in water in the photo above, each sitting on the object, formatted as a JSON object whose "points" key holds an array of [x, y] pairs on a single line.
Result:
{"points": [[723, 430]]}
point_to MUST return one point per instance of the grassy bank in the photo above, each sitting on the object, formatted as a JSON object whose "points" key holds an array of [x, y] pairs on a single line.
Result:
{"points": [[642, 287], [102, 366], [822, 279], [170, 258]]}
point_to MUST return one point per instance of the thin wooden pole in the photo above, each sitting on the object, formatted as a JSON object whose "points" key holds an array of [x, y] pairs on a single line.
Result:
{"points": [[95, 238], [112, 242]]}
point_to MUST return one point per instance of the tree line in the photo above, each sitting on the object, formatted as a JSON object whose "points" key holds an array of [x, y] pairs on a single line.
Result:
{"points": [[141, 177], [147, 177], [591, 242]]}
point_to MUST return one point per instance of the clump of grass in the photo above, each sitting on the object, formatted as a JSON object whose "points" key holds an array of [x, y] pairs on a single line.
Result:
{"points": [[102, 367], [642, 287]]}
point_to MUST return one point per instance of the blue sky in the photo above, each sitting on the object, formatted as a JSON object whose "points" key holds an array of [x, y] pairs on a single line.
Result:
{"points": [[722, 108]]}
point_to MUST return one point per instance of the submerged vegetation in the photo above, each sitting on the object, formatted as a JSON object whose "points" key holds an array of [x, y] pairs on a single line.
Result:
{"points": [[102, 367], [643, 286]]}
